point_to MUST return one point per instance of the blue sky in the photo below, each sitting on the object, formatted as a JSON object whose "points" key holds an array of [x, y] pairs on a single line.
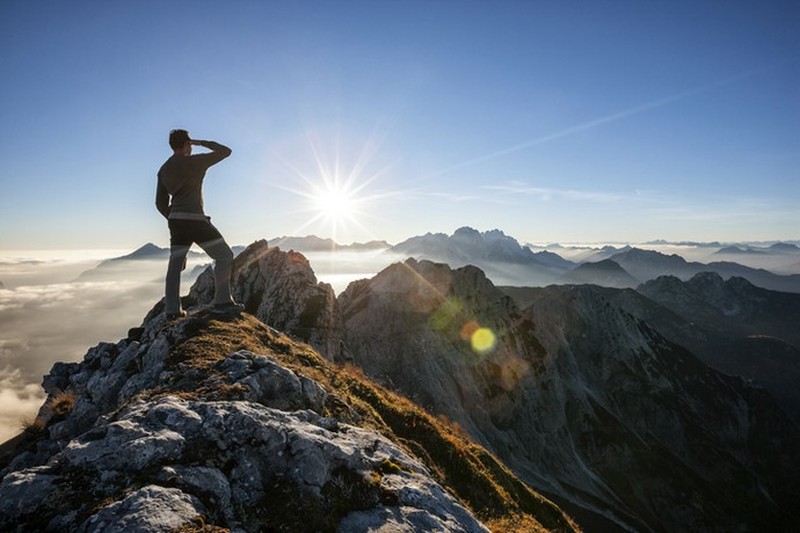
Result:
{"points": [[553, 121]]}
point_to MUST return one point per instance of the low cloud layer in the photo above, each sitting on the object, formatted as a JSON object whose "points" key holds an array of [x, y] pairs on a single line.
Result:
{"points": [[43, 324], [19, 402]]}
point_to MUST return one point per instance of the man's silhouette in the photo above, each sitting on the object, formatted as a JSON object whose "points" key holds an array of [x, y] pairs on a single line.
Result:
{"points": [[181, 180]]}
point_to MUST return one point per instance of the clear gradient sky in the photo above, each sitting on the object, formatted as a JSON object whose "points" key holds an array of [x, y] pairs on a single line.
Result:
{"points": [[553, 121]]}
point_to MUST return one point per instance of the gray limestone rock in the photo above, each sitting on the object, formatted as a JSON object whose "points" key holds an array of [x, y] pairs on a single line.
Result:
{"points": [[280, 288], [151, 508]]}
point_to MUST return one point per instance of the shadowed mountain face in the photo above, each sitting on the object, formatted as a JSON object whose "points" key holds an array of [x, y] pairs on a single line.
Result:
{"points": [[732, 326], [580, 398], [737, 328]]}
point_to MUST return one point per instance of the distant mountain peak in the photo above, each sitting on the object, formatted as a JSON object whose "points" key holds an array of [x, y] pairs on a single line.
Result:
{"points": [[145, 251], [606, 273], [784, 247]]}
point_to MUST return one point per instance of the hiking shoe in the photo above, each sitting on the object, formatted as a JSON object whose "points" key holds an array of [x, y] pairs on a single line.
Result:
{"points": [[175, 316], [230, 307]]}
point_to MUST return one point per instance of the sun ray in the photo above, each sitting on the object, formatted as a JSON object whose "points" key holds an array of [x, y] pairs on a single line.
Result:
{"points": [[334, 191]]}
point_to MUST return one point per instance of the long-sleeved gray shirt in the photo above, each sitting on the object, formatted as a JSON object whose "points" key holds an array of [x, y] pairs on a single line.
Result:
{"points": [[181, 177]]}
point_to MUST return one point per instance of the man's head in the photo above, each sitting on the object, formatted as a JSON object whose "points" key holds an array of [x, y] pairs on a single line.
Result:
{"points": [[179, 142]]}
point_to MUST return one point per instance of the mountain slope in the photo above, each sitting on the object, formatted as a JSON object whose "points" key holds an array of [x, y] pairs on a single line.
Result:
{"points": [[223, 422], [580, 398], [748, 331]]}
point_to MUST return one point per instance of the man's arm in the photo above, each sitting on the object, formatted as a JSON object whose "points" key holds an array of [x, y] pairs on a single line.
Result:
{"points": [[218, 152], [162, 199]]}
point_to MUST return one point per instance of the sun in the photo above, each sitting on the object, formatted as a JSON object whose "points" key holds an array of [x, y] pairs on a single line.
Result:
{"points": [[334, 202], [336, 186]]}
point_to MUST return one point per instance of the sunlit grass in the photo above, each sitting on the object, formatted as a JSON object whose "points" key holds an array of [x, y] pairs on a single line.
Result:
{"points": [[474, 475]]}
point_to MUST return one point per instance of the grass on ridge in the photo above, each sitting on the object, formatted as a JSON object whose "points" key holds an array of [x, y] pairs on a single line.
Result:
{"points": [[477, 479]]}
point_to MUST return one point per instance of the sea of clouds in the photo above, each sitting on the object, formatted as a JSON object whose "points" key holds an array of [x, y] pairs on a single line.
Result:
{"points": [[47, 315]]}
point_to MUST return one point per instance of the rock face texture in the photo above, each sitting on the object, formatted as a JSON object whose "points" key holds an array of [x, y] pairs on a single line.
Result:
{"points": [[581, 399], [280, 289], [222, 422]]}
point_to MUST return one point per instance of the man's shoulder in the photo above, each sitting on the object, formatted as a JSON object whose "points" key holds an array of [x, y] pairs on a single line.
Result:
{"points": [[170, 165]]}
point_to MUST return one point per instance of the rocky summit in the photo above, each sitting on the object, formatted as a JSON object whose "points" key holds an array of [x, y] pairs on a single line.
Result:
{"points": [[213, 423]]}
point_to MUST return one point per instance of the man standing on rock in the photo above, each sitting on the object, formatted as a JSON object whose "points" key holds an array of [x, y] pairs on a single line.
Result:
{"points": [[181, 179]]}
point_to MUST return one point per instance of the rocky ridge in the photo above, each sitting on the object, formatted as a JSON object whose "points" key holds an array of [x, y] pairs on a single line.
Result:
{"points": [[224, 422], [582, 399]]}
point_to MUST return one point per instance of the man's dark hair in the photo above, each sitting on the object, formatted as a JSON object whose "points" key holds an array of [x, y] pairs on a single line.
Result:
{"points": [[178, 138]]}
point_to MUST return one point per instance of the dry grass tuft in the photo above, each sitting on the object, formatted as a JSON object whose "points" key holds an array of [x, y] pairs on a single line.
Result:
{"points": [[475, 476]]}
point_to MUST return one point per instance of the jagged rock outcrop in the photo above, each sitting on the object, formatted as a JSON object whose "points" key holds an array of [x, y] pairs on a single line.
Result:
{"points": [[281, 290], [223, 422], [582, 400]]}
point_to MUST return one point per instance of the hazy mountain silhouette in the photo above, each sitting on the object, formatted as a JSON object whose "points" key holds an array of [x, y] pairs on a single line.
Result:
{"points": [[646, 265], [312, 243], [500, 256], [605, 273]]}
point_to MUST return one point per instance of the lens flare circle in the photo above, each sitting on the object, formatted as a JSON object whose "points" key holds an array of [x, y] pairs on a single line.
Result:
{"points": [[483, 340]]}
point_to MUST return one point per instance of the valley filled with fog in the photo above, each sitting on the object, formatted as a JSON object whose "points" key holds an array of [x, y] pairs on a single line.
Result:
{"points": [[54, 306]]}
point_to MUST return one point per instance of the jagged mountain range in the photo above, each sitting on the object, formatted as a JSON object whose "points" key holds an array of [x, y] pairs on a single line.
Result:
{"points": [[499, 255], [506, 262], [598, 398]]}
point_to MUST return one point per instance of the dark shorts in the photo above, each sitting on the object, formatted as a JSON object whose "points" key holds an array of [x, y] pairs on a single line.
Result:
{"points": [[188, 232]]}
